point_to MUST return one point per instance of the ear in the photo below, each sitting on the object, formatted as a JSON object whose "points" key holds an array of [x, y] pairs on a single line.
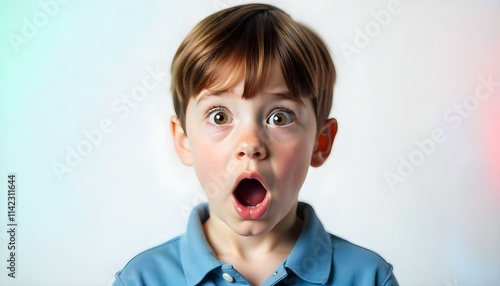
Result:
{"points": [[181, 143], [324, 142]]}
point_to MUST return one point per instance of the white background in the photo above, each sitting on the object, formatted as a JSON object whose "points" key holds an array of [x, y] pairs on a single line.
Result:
{"points": [[440, 226]]}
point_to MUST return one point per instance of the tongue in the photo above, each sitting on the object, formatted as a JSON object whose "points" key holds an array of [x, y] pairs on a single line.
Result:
{"points": [[250, 192]]}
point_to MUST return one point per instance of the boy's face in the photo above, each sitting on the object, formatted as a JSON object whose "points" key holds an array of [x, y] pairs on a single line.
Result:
{"points": [[251, 156]]}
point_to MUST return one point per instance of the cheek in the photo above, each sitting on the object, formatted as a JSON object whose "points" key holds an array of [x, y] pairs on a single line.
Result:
{"points": [[210, 167], [293, 143], [293, 161]]}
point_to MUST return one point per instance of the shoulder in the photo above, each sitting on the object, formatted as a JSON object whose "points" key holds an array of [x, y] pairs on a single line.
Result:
{"points": [[350, 264], [346, 251], [360, 265], [148, 267]]}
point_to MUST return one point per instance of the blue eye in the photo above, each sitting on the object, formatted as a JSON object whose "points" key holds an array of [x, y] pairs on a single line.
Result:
{"points": [[218, 117], [280, 118]]}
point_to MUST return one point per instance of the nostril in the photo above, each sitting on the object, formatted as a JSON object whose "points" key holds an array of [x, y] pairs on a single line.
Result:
{"points": [[251, 151], [254, 155]]}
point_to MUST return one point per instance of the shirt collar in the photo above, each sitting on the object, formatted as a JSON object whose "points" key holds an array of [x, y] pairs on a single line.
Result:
{"points": [[197, 257], [310, 259]]}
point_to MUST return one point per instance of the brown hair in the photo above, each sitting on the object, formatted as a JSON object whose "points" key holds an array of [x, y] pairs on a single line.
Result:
{"points": [[241, 41]]}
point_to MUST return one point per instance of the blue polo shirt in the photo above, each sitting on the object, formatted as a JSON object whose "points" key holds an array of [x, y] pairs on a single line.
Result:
{"points": [[318, 258]]}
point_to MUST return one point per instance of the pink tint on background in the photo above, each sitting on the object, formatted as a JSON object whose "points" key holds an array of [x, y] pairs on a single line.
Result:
{"points": [[490, 127], [489, 110]]}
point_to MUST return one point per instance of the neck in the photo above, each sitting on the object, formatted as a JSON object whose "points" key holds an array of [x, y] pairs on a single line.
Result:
{"points": [[228, 245]]}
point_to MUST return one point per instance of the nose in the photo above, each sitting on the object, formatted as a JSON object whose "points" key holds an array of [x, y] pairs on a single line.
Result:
{"points": [[251, 146]]}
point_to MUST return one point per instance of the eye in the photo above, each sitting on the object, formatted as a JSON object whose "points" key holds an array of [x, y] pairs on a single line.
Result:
{"points": [[219, 117], [280, 117]]}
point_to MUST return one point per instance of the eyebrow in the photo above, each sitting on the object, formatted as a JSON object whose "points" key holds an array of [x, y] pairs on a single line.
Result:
{"points": [[285, 95], [281, 95], [206, 94]]}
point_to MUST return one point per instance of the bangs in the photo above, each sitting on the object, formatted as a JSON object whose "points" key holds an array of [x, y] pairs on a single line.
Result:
{"points": [[241, 46]]}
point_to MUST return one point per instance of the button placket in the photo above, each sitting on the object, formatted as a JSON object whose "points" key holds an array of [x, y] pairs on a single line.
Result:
{"points": [[227, 277], [231, 276]]}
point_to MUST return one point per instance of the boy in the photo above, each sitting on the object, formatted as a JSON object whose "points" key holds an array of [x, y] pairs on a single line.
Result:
{"points": [[252, 93]]}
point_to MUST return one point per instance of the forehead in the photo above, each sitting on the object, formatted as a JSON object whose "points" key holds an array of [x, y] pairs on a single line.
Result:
{"points": [[231, 78]]}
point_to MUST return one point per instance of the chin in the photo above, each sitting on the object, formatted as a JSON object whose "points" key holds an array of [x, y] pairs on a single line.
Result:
{"points": [[252, 227]]}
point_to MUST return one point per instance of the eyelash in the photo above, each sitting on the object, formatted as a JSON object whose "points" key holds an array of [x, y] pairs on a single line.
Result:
{"points": [[213, 109], [216, 108], [281, 108]]}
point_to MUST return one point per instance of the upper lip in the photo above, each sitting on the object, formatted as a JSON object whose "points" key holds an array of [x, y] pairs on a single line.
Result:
{"points": [[249, 175]]}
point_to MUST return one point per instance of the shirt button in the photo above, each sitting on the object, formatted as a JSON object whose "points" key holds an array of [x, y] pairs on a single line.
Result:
{"points": [[227, 277]]}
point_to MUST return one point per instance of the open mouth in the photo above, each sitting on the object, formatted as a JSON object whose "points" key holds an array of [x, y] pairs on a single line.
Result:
{"points": [[250, 192]]}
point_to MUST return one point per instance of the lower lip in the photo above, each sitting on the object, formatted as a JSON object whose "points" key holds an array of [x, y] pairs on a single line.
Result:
{"points": [[254, 212]]}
